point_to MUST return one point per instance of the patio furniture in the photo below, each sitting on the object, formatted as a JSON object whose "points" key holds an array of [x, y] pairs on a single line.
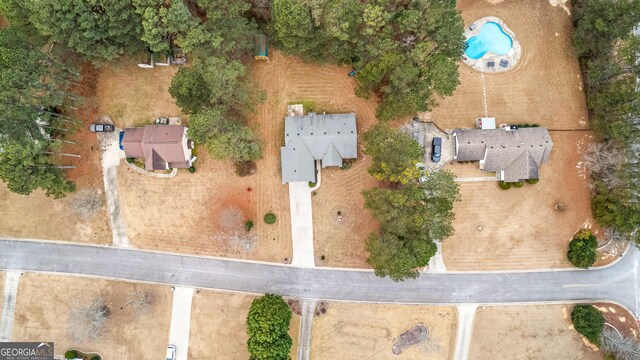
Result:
{"points": [[504, 63], [491, 64]]}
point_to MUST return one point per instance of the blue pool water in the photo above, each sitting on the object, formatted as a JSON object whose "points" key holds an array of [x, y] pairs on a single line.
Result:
{"points": [[490, 39]]}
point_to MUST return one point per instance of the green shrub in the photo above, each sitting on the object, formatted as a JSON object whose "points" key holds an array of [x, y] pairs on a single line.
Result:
{"points": [[192, 169], [270, 218], [130, 160], [71, 354], [582, 249], [248, 225], [532, 181], [588, 321], [312, 184], [322, 257], [504, 185], [518, 184], [347, 164], [95, 357]]}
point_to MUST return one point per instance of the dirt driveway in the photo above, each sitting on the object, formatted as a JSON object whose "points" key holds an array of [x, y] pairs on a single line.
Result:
{"points": [[368, 331], [545, 87], [527, 332], [45, 304], [218, 326], [499, 229]]}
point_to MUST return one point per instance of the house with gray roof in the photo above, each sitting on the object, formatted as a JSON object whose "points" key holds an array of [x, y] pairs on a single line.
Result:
{"points": [[329, 138], [514, 154]]}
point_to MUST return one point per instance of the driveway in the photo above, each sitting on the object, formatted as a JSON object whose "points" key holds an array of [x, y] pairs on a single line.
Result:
{"points": [[618, 283], [301, 224], [111, 156]]}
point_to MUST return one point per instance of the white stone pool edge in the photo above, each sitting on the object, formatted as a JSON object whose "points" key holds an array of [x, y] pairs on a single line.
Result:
{"points": [[513, 56]]}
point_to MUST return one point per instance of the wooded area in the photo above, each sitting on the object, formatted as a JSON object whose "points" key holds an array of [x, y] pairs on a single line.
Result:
{"points": [[608, 50]]}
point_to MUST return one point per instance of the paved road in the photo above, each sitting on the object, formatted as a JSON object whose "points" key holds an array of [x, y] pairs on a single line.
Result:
{"points": [[617, 283]]}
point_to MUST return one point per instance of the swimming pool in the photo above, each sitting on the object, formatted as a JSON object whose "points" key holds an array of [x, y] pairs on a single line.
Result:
{"points": [[490, 39]]}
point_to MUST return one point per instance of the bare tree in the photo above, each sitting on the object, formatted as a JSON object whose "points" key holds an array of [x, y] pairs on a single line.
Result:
{"points": [[231, 218], [613, 235], [86, 203], [602, 160], [140, 300], [408, 40], [622, 347], [88, 322], [261, 9], [239, 238]]}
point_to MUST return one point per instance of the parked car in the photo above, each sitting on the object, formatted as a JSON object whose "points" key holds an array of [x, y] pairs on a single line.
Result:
{"points": [[101, 128], [436, 149], [171, 352], [120, 137]]}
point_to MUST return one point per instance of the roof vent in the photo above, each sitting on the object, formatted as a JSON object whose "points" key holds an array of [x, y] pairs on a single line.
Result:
{"points": [[312, 114]]}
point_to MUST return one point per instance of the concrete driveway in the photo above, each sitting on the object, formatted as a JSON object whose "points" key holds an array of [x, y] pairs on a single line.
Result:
{"points": [[301, 224]]}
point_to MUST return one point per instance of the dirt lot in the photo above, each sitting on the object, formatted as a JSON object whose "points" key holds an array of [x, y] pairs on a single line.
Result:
{"points": [[44, 307], [182, 214], [544, 88], [218, 326], [520, 228], [527, 332], [37, 216], [365, 331]]}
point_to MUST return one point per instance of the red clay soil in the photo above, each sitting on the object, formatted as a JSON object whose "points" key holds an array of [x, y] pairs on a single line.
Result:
{"points": [[88, 172]]}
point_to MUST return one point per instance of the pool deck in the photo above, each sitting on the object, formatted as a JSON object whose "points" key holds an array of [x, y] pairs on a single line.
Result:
{"points": [[481, 64]]}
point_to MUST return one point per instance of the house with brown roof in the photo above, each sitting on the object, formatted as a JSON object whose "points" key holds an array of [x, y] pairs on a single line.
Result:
{"points": [[514, 154], [161, 146]]}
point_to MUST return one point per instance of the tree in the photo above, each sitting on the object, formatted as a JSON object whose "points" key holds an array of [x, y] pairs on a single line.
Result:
{"points": [[88, 322], [582, 249], [268, 326], [406, 51], [603, 161], [190, 90], [395, 154], [293, 27], [588, 321], [225, 137], [25, 168], [99, 31], [87, 203], [607, 50], [412, 217], [394, 256], [32, 84], [140, 300], [622, 347], [214, 82]]}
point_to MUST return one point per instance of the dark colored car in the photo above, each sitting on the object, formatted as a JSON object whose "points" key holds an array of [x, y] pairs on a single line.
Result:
{"points": [[436, 149], [120, 137], [101, 128]]}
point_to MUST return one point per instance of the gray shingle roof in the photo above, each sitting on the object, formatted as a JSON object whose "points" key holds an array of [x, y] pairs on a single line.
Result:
{"points": [[330, 138], [519, 153]]}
